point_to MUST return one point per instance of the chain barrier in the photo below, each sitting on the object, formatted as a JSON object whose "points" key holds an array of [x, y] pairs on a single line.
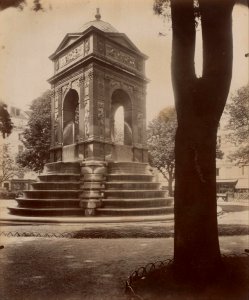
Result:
{"points": [[143, 272], [37, 234]]}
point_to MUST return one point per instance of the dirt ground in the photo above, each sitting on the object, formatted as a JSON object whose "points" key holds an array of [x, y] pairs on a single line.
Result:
{"points": [[95, 264], [72, 269]]}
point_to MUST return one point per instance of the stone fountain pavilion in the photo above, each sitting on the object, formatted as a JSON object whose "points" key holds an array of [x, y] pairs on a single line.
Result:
{"points": [[97, 167]]}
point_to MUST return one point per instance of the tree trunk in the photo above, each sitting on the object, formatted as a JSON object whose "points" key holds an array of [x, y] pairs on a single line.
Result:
{"points": [[199, 105]]}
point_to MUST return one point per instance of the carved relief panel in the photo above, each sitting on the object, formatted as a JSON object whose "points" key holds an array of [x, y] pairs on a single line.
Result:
{"points": [[101, 117], [120, 56], [70, 56], [87, 118], [57, 96], [74, 54]]}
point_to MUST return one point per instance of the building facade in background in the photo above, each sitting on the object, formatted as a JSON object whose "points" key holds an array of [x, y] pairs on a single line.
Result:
{"points": [[13, 144], [231, 179]]}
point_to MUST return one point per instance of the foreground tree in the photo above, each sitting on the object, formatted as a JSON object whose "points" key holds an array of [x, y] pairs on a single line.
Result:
{"points": [[36, 138], [238, 125], [199, 105], [161, 144], [6, 125]]}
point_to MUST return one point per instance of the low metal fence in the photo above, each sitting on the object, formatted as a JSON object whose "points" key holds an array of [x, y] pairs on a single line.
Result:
{"points": [[142, 272]]}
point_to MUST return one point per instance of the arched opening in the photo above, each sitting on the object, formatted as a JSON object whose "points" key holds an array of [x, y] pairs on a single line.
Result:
{"points": [[121, 110], [70, 118], [119, 126]]}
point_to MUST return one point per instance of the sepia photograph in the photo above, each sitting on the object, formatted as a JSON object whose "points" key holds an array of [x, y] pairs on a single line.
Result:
{"points": [[124, 149]]}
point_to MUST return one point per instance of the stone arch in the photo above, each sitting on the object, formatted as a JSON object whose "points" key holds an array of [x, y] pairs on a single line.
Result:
{"points": [[120, 98], [70, 117]]}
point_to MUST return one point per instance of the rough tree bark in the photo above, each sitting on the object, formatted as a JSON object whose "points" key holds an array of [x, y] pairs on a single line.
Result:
{"points": [[199, 105]]}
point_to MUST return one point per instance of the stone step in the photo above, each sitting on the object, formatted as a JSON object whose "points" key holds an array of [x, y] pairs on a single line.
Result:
{"points": [[128, 168], [134, 211], [136, 203], [51, 194], [59, 185], [58, 177], [129, 177], [62, 167], [43, 203], [132, 185], [45, 212], [124, 194]]}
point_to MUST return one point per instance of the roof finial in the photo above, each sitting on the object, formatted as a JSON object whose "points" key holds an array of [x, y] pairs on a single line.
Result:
{"points": [[98, 15]]}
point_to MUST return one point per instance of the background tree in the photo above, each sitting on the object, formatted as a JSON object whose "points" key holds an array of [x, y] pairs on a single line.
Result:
{"points": [[161, 144], [6, 125], [4, 4], [199, 105], [8, 168], [238, 125], [36, 138], [219, 152]]}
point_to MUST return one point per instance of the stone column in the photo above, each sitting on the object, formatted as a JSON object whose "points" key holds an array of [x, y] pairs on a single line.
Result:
{"points": [[93, 176]]}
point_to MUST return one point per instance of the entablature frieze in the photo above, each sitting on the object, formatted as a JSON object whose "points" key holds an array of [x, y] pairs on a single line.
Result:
{"points": [[71, 77], [125, 83]]}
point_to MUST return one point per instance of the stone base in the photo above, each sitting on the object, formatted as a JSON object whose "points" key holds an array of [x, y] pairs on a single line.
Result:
{"points": [[94, 188]]}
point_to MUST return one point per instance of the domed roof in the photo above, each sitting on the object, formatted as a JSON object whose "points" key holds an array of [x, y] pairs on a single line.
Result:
{"points": [[99, 24]]}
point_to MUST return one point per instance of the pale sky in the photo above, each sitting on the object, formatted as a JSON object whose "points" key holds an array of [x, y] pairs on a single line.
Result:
{"points": [[27, 39]]}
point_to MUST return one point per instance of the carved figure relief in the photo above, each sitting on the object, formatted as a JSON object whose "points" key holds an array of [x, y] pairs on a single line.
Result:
{"points": [[86, 88], [65, 89], [70, 56], [101, 47], [81, 79], [76, 122], [115, 84], [127, 87], [76, 84], [120, 56], [87, 46], [90, 74], [101, 117], [70, 77], [87, 119]]}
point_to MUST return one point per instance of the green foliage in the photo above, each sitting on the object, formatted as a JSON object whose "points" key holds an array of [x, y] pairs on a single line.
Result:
{"points": [[161, 143], [8, 168], [12, 3], [4, 4], [162, 8], [37, 6], [6, 125], [36, 137], [219, 153], [238, 125]]}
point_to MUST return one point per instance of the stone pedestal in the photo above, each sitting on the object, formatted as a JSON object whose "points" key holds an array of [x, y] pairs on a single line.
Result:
{"points": [[93, 176]]}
